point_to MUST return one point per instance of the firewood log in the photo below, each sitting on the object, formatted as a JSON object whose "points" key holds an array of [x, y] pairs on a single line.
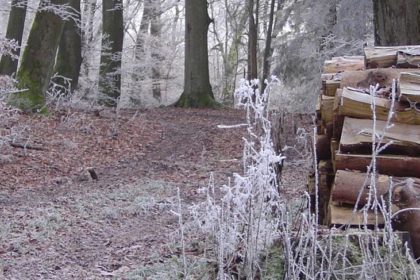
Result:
{"points": [[407, 196]]}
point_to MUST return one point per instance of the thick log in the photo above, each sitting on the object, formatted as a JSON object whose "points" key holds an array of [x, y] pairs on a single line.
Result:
{"points": [[323, 151], [325, 167], [400, 166], [327, 76], [319, 127], [334, 150], [329, 129], [337, 100], [408, 60], [409, 86], [326, 179], [354, 187], [344, 63], [401, 139], [310, 184], [318, 108], [338, 126], [371, 77], [383, 57], [407, 196], [357, 104], [323, 198], [330, 79], [327, 104], [342, 215], [331, 87], [338, 119]]}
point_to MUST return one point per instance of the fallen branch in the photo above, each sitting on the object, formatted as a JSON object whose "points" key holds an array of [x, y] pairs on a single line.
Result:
{"points": [[27, 146], [232, 126]]}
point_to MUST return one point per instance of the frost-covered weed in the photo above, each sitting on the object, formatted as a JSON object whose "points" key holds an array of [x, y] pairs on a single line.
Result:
{"points": [[59, 91], [242, 221], [9, 48], [8, 83]]}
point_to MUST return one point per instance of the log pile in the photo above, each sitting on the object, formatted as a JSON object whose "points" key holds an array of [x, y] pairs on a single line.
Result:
{"points": [[357, 113]]}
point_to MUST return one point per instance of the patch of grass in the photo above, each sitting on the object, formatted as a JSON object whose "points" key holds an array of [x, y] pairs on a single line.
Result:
{"points": [[172, 268], [273, 267]]}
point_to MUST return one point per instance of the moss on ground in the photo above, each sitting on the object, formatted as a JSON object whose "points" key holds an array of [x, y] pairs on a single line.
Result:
{"points": [[204, 101]]}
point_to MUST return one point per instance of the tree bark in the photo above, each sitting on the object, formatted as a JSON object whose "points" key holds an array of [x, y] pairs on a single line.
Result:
{"points": [[407, 196], [89, 24], [268, 50], [197, 89], [150, 19], [155, 32], [38, 59], [231, 55], [112, 43], [400, 139], [144, 29], [357, 104], [352, 187], [400, 166], [89, 10], [15, 27], [252, 42], [69, 56], [396, 22]]}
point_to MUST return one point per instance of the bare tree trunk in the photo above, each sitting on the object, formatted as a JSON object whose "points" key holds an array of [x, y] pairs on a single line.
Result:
{"points": [[155, 32], [252, 41], [197, 89], [144, 29], [231, 55], [112, 43], [69, 56], [15, 27], [38, 58], [268, 51], [396, 22], [89, 27], [87, 33]]}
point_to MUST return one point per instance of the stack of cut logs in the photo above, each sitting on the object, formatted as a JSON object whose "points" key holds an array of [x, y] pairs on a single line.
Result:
{"points": [[345, 127]]}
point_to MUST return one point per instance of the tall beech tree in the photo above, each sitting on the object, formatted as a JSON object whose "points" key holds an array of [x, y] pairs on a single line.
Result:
{"points": [[396, 22], [144, 29], [150, 27], [197, 89], [15, 26], [268, 50], [112, 44], [155, 32], [253, 6], [39, 57], [69, 56]]}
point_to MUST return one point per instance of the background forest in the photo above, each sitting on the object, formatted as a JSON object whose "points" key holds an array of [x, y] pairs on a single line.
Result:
{"points": [[153, 45]]}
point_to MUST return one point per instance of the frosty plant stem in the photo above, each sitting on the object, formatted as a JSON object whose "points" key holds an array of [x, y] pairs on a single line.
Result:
{"points": [[244, 218], [244, 221], [181, 229]]}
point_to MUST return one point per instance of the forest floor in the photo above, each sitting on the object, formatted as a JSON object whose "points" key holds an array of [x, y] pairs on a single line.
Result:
{"points": [[56, 222]]}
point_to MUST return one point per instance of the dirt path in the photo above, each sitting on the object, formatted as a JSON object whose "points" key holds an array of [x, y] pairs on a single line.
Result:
{"points": [[57, 223]]}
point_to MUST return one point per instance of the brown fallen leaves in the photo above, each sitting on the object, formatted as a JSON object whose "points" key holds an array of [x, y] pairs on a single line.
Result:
{"points": [[51, 150]]}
